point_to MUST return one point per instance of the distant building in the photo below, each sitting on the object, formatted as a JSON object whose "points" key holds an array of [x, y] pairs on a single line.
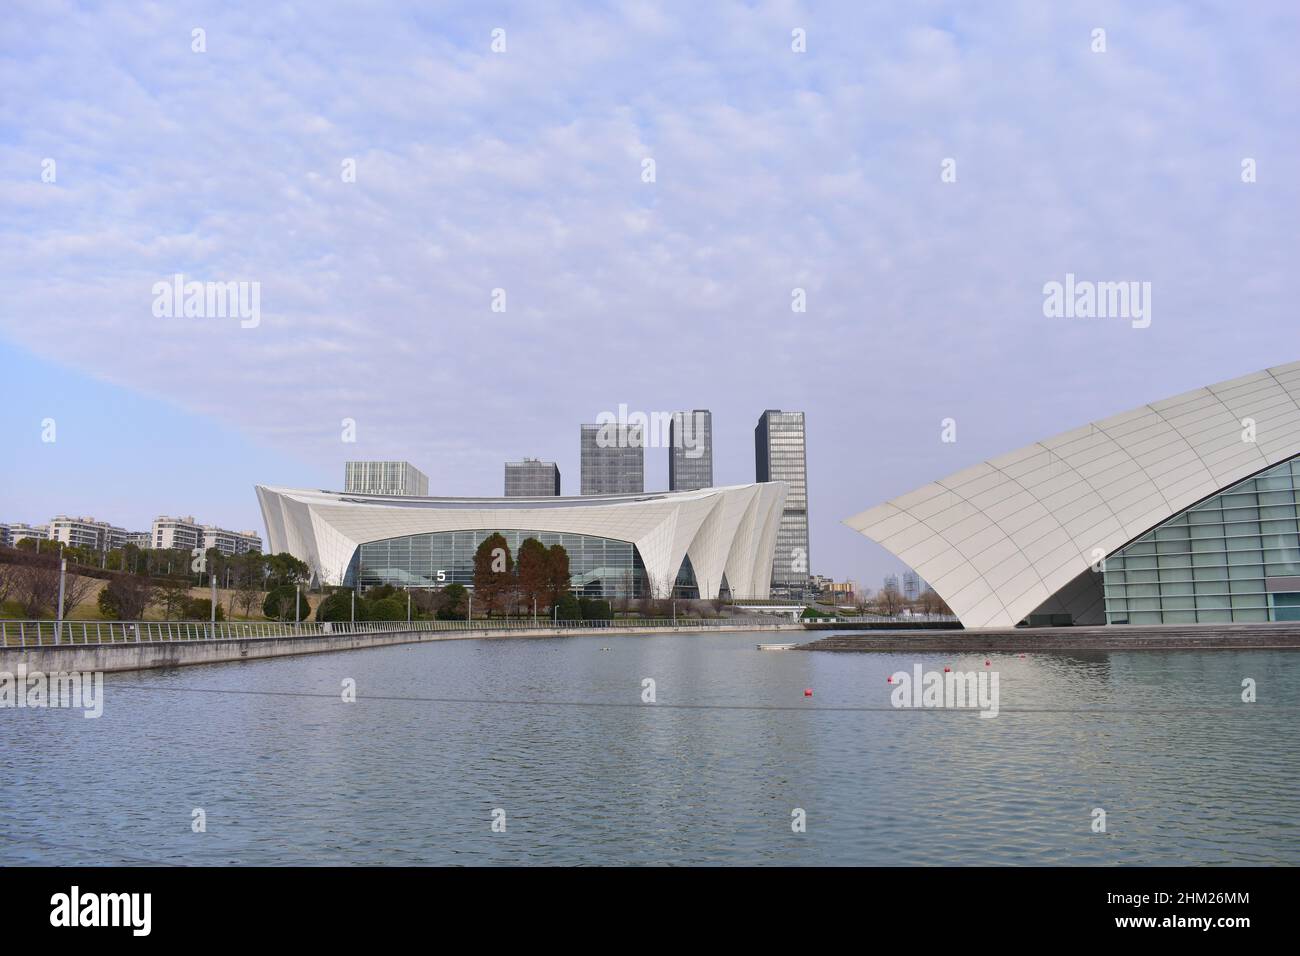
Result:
{"points": [[384, 478], [141, 539], [532, 478], [913, 585], [841, 592], [780, 454], [231, 542], [613, 459], [183, 533], [86, 533], [18, 530], [690, 451], [891, 583], [6, 536]]}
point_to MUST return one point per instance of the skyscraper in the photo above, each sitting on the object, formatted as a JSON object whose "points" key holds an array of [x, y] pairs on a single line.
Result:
{"points": [[690, 452], [384, 478], [532, 478], [780, 455], [613, 459], [913, 585]]}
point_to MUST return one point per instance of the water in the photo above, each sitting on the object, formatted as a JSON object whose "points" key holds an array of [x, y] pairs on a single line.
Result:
{"points": [[1186, 772]]}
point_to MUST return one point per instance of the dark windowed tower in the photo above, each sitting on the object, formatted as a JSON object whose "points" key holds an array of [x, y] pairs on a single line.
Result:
{"points": [[780, 455], [690, 452], [532, 478], [613, 459]]}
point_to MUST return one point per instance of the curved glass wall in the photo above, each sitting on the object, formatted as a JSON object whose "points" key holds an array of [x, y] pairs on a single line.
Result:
{"points": [[1233, 557], [598, 567]]}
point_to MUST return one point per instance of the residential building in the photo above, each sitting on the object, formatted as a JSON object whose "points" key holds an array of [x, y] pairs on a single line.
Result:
{"points": [[183, 533]]}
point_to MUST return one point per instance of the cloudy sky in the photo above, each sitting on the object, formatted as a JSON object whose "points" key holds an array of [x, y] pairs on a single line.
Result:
{"points": [[523, 170]]}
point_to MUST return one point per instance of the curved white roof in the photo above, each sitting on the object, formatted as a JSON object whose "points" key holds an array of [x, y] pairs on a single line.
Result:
{"points": [[729, 531], [997, 540]]}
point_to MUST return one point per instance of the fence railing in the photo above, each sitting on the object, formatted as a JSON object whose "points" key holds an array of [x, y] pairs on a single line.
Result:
{"points": [[885, 619], [41, 633]]}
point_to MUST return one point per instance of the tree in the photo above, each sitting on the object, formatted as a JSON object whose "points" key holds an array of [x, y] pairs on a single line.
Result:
{"points": [[568, 608], [559, 578], [125, 597], [889, 601], [200, 609], [386, 609], [172, 593], [533, 573], [931, 603], [452, 603], [284, 568], [337, 606], [281, 601], [493, 569]]}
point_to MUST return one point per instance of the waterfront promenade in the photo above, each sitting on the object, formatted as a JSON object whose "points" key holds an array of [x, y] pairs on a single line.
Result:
{"points": [[140, 645]]}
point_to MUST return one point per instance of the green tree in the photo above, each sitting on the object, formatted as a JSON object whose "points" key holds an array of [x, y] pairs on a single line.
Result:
{"points": [[125, 597], [569, 608], [172, 593], [452, 603], [281, 601], [336, 607], [493, 571], [200, 609], [386, 609]]}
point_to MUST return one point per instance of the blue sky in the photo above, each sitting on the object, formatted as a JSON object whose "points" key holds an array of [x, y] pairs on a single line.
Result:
{"points": [[522, 170]]}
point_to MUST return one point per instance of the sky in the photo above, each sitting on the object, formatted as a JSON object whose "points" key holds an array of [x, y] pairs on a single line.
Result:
{"points": [[920, 171]]}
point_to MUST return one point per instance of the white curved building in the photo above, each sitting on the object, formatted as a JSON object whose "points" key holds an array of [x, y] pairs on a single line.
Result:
{"points": [[1191, 501], [693, 542]]}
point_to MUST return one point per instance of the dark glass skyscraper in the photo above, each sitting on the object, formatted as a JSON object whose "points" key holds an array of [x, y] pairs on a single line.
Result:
{"points": [[690, 452], [780, 455], [532, 478], [613, 459]]}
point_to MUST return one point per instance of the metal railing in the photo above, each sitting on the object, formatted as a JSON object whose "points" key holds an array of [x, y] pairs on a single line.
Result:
{"points": [[45, 633], [885, 619]]}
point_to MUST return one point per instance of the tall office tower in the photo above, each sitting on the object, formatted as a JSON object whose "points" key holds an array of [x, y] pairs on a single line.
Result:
{"points": [[613, 459], [913, 585], [690, 451], [891, 582], [780, 455], [532, 478], [384, 478]]}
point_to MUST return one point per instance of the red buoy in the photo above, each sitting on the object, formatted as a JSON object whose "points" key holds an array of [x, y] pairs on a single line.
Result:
{"points": [[807, 691], [986, 663], [947, 670]]}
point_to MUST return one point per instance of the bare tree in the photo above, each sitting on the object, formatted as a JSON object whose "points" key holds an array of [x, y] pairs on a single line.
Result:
{"points": [[889, 601]]}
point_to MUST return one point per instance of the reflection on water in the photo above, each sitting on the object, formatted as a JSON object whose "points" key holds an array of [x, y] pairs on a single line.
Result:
{"points": [[288, 774]]}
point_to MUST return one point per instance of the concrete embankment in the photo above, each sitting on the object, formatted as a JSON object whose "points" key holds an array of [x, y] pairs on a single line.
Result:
{"points": [[130, 656], [1115, 637]]}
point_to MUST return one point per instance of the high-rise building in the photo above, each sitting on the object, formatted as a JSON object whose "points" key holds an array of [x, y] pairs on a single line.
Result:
{"points": [[780, 454], [891, 583], [690, 450], [913, 585], [613, 459], [532, 478], [384, 478]]}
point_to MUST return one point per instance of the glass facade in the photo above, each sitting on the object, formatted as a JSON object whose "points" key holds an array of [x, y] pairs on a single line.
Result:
{"points": [[384, 478], [690, 450], [613, 459], [532, 478], [1233, 557], [599, 567], [779, 455]]}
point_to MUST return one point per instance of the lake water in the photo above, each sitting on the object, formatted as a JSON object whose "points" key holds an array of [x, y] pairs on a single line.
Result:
{"points": [[554, 733]]}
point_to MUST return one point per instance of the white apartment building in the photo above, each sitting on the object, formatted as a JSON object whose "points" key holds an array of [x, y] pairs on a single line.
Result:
{"points": [[183, 533], [86, 532], [18, 530], [230, 542]]}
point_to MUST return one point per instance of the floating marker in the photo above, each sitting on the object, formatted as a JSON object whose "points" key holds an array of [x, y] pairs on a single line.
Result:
{"points": [[947, 670], [986, 663], [807, 691]]}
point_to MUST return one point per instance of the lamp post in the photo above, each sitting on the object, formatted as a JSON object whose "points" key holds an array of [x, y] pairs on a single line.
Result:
{"points": [[63, 570], [213, 609], [297, 604], [469, 617], [354, 605]]}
